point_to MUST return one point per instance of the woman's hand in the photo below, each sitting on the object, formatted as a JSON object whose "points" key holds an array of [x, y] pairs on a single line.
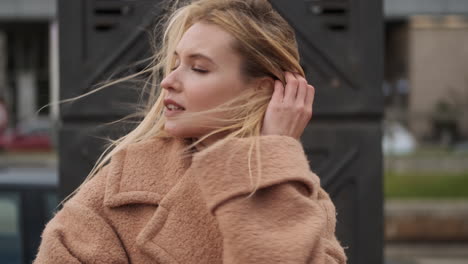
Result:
{"points": [[290, 108]]}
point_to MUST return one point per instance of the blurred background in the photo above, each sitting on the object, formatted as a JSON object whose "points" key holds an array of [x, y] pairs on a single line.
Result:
{"points": [[424, 129]]}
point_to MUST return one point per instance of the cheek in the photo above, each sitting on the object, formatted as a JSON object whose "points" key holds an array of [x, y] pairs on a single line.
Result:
{"points": [[210, 94], [204, 96]]}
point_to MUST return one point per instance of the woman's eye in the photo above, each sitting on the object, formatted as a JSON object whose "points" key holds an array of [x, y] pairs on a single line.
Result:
{"points": [[194, 69], [200, 70]]}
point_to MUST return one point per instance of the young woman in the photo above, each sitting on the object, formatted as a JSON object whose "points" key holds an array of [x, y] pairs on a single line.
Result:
{"points": [[215, 172]]}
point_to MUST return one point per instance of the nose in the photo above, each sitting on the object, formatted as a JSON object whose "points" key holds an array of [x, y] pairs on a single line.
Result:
{"points": [[171, 82]]}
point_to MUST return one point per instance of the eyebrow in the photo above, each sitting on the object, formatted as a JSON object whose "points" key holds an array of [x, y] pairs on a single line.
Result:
{"points": [[198, 56]]}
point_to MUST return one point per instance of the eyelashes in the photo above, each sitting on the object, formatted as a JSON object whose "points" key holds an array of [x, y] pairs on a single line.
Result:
{"points": [[199, 70], [193, 69]]}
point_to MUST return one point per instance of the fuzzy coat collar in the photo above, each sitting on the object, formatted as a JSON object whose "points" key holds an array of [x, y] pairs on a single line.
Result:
{"points": [[145, 172]]}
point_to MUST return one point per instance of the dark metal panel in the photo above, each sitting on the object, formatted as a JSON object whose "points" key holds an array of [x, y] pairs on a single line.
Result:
{"points": [[340, 43], [80, 145], [99, 38], [348, 159]]}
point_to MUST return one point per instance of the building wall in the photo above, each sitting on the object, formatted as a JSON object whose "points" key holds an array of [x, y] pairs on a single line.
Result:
{"points": [[3, 62], [438, 70], [407, 8], [15, 10]]}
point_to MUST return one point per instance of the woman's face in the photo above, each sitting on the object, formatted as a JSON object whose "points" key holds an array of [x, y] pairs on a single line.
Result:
{"points": [[206, 74]]}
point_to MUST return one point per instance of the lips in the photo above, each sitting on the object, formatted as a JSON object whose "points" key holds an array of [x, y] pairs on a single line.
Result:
{"points": [[168, 112], [168, 102]]}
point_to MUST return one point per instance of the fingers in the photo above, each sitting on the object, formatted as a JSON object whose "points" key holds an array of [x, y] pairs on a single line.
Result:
{"points": [[309, 99], [278, 93], [291, 88], [305, 93], [297, 91], [301, 90]]}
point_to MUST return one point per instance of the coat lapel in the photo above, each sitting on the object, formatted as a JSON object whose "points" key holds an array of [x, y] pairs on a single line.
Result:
{"points": [[154, 173], [144, 172]]}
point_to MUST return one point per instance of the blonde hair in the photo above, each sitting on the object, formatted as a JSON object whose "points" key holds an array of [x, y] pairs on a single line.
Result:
{"points": [[263, 39]]}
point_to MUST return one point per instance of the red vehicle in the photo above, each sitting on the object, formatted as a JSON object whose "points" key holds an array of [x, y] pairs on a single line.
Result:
{"points": [[31, 136]]}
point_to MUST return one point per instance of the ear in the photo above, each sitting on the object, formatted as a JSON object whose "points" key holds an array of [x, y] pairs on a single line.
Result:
{"points": [[265, 82]]}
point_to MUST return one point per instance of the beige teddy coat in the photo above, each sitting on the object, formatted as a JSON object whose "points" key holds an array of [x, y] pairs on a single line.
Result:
{"points": [[149, 205]]}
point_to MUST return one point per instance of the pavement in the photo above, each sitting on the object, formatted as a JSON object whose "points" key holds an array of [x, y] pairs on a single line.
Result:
{"points": [[28, 159], [426, 232], [426, 220], [426, 253]]}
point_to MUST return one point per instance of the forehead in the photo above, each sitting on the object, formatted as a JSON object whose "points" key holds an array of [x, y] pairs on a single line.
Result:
{"points": [[207, 39]]}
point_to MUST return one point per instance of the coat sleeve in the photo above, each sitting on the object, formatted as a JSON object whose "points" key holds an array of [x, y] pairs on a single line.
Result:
{"points": [[289, 219], [79, 234]]}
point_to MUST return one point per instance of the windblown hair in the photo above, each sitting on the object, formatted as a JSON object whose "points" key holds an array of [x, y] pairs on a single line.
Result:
{"points": [[266, 44]]}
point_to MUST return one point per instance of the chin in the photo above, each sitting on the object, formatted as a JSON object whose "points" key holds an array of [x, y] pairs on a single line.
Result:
{"points": [[178, 131]]}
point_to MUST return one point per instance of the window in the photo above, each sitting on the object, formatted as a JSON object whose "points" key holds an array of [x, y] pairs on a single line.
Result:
{"points": [[10, 237]]}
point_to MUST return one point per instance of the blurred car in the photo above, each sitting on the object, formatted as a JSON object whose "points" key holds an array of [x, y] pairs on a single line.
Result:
{"points": [[28, 136]]}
